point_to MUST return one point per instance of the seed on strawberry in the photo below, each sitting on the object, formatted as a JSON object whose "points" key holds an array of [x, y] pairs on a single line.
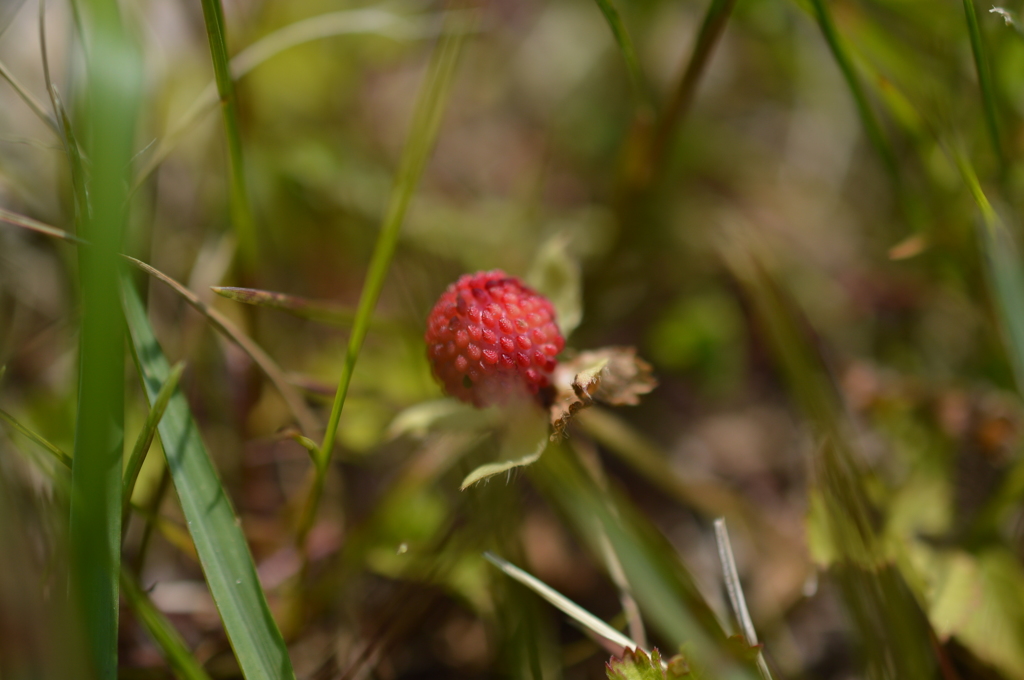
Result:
{"points": [[490, 338]]}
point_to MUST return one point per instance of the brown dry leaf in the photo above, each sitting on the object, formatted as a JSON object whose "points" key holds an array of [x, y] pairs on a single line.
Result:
{"points": [[612, 375]]}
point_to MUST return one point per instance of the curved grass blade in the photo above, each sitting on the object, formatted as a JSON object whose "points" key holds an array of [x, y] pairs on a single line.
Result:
{"points": [[241, 210], [145, 438], [173, 532], [223, 551], [26, 96], [665, 591], [426, 122], [1003, 270], [66, 132], [845, 63], [37, 226], [307, 421], [315, 310], [886, 615], [167, 638], [625, 43], [58, 455], [330, 24], [686, 90], [988, 96]]}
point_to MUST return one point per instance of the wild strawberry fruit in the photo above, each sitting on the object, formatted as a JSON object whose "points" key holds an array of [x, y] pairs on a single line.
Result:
{"points": [[491, 339]]}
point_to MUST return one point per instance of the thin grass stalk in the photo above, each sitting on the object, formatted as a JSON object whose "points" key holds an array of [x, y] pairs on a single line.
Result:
{"points": [[625, 43], [1003, 270], [860, 98], [149, 511], [30, 101], [57, 454], [685, 91], [241, 210], [303, 415], [37, 226], [145, 438], [172, 646], [422, 134], [327, 25], [988, 97], [113, 69], [736, 597]]}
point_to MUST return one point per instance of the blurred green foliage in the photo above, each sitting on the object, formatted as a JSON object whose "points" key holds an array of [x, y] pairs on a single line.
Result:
{"points": [[805, 214]]}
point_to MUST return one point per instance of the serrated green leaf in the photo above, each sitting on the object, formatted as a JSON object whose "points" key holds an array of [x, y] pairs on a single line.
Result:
{"points": [[491, 469], [635, 664], [216, 532], [524, 437]]}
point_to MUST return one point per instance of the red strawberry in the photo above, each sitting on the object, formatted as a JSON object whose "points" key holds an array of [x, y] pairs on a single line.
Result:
{"points": [[490, 338]]}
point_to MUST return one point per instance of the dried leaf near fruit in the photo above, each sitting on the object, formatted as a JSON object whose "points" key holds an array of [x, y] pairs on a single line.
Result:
{"points": [[613, 375]]}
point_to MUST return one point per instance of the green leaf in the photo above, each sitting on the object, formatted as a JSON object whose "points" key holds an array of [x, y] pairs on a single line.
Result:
{"points": [[450, 414], [556, 274], [167, 638], [490, 469], [637, 665], [524, 437], [223, 551], [980, 602]]}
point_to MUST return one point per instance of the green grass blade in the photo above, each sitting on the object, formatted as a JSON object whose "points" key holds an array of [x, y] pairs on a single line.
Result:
{"points": [[625, 43], [145, 438], [223, 551], [113, 70], [665, 591], [167, 638], [711, 29], [241, 210], [888, 619], [66, 130], [327, 25], [426, 121], [1003, 269], [988, 96], [860, 98], [307, 421], [59, 455]]}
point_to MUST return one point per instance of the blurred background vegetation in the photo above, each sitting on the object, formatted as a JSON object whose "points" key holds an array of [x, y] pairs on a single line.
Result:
{"points": [[803, 214]]}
